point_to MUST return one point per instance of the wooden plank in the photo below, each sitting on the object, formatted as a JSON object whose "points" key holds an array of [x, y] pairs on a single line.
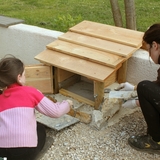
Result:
{"points": [[99, 44], [121, 77], [63, 75], [56, 86], [83, 52], [98, 93], [42, 84], [112, 33], [73, 64], [85, 79], [75, 96], [70, 81], [111, 79], [37, 71], [40, 77], [82, 116]]}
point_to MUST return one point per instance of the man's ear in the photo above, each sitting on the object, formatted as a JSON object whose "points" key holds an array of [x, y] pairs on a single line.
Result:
{"points": [[155, 45]]}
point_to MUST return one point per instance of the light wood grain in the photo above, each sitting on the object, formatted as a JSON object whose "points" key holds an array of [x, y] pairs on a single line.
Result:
{"points": [[111, 79], [73, 64], [63, 75], [83, 52], [98, 93], [76, 96], [40, 77], [116, 34], [98, 44]]}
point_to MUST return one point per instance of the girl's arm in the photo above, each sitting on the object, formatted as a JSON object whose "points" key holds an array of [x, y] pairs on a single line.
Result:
{"points": [[53, 110]]}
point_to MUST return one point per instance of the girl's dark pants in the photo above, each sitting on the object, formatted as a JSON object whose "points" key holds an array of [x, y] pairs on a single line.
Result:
{"points": [[149, 99], [26, 153]]}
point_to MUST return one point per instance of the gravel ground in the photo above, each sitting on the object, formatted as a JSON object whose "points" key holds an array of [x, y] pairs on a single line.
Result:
{"points": [[82, 142]]}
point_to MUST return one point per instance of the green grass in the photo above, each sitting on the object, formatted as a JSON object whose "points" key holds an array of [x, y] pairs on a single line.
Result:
{"points": [[60, 15]]}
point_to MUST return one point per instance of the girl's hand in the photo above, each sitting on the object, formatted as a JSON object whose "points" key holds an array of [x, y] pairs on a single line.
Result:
{"points": [[70, 103]]}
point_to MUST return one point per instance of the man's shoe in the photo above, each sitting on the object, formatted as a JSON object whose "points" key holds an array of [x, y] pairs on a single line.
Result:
{"points": [[144, 143]]}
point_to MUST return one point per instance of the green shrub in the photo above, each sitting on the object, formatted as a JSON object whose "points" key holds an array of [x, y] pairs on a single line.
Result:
{"points": [[64, 22]]}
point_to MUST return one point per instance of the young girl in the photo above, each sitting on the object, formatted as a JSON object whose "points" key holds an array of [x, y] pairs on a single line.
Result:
{"points": [[149, 98], [21, 137]]}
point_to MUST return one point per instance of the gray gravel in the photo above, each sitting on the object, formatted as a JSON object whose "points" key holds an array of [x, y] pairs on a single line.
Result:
{"points": [[82, 142]]}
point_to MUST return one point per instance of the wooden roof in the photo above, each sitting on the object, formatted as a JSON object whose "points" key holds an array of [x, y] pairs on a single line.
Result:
{"points": [[92, 49]]}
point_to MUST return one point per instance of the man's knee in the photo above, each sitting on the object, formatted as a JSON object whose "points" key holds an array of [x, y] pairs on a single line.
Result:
{"points": [[143, 85]]}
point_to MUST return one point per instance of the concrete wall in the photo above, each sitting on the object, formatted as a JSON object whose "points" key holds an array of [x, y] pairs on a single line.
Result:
{"points": [[141, 67], [25, 41]]}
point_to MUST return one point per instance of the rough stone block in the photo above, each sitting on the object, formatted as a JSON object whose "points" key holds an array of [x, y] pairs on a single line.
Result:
{"points": [[97, 119], [110, 107]]}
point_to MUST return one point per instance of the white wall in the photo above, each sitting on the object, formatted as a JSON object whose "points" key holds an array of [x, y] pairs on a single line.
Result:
{"points": [[25, 41], [141, 67]]}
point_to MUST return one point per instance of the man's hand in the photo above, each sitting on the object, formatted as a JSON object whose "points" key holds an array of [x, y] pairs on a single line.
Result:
{"points": [[125, 87], [130, 104]]}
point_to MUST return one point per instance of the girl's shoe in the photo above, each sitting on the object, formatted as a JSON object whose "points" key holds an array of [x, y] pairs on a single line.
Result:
{"points": [[144, 143]]}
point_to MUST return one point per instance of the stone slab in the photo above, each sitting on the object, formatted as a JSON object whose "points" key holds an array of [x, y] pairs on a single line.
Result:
{"points": [[7, 21], [57, 123]]}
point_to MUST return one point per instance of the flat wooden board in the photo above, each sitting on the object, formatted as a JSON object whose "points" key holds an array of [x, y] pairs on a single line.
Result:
{"points": [[76, 96], [98, 44], [40, 77], [86, 53], [76, 65], [112, 33], [37, 71], [63, 75]]}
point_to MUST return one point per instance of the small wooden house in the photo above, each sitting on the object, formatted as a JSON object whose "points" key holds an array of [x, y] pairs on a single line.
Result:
{"points": [[91, 55]]}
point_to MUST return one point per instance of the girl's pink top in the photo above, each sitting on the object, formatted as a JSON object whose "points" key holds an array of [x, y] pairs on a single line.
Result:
{"points": [[17, 115]]}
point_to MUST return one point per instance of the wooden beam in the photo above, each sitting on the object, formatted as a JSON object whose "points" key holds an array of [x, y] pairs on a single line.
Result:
{"points": [[111, 79], [56, 87], [70, 81], [98, 93], [63, 75], [121, 77], [82, 116], [75, 96]]}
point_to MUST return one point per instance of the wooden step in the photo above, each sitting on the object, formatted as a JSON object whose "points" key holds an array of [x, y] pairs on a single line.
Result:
{"points": [[98, 44], [86, 53], [76, 65], [112, 33]]}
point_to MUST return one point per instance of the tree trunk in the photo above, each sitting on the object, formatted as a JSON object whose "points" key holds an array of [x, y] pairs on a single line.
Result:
{"points": [[130, 14], [116, 13]]}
